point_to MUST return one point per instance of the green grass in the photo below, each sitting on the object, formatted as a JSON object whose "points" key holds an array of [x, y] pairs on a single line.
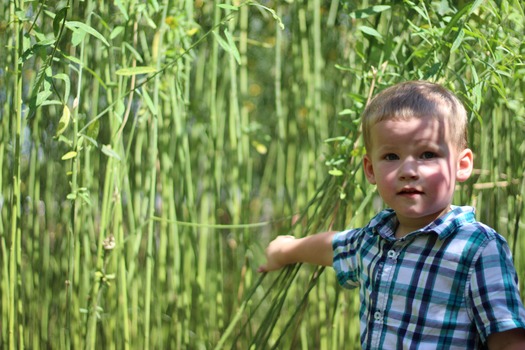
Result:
{"points": [[149, 151]]}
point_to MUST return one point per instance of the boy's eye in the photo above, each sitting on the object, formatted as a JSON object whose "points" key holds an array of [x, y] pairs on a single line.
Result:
{"points": [[428, 155], [391, 156]]}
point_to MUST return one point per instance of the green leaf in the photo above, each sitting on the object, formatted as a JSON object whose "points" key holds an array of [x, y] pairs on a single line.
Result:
{"points": [[77, 37], [42, 96], [51, 103], [233, 48], [346, 112], [82, 27], [135, 53], [122, 9], [135, 70], [85, 196], [272, 12], [149, 102], [370, 11], [228, 7], [67, 84], [457, 42], [421, 12], [116, 32], [335, 172], [108, 151], [58, 20], [64, 121], [370, 31], [221, 41], [69, 155]]}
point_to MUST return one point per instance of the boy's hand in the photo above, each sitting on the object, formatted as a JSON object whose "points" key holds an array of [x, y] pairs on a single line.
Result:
{"points": [[276, 254]]}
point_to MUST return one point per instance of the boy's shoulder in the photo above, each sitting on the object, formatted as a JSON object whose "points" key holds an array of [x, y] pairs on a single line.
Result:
{"points": [[461, 223], [469, 239], [474, 230]]}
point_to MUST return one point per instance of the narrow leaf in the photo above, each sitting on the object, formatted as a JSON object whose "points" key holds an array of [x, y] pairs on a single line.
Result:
{"points": [[77, 37], [370, 11], [335, 172], [106, 149], [67, 84], [370, 31], [458, 41], [221, 41], [122, 9], [149, 102], [233, 48], [135, 70], [64, 121], [116, 32], [69, 155], [228, 7], [84, 27], [57, 21]]}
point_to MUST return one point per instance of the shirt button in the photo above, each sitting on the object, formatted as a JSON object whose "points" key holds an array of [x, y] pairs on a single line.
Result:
{"points": [[378, 315], [391, 254]]}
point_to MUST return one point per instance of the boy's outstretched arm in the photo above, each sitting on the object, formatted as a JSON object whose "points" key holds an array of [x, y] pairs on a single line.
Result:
{"points": [[286, 250]]}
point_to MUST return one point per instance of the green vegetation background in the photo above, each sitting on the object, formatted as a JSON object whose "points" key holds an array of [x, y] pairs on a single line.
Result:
{"points": [[149, 150]]}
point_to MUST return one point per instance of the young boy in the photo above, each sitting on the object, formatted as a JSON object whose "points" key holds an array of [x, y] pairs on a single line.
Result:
{"points": [[430, 276]]}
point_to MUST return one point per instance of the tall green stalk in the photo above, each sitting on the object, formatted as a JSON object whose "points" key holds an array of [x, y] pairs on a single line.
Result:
{"points": [[15, 200]]}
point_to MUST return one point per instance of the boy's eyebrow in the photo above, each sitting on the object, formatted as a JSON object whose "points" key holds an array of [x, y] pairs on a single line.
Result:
{"points": [[423, 143]]}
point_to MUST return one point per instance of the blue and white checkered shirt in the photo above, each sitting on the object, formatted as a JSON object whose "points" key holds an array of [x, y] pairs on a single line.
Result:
{"points": [[446, 286]]}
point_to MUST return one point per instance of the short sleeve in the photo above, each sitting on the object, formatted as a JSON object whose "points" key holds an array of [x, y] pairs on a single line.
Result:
{"points": [[493, 291], [345, 261]]}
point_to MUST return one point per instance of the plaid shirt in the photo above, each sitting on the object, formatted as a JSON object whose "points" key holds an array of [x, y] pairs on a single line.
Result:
{"points": [[446, 286]]}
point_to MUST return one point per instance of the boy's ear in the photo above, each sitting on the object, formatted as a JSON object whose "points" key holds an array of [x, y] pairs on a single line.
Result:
{"points": [[465, 165], [369, 169]]}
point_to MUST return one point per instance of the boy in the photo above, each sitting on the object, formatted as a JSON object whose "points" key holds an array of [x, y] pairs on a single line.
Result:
{"points": [[430, 276]]}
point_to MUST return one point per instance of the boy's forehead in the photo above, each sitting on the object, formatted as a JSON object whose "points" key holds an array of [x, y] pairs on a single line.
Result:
{"points": [[423, 121], [414, 129]]}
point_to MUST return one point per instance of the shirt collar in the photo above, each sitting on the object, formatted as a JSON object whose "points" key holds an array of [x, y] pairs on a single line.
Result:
{"points": [[385, 222]]}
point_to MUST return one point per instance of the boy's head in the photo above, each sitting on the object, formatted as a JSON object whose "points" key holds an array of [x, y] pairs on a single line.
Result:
{"points": [[417, 99], [416, 150]]}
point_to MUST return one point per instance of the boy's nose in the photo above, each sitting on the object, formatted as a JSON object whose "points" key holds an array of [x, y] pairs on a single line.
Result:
{"points": [[408, 170]]}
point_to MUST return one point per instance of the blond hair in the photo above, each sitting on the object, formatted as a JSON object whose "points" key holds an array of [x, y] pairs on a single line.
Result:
{"points": [[417, 99]]}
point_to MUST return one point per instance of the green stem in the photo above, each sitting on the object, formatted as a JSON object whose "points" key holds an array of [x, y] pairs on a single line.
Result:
{"points": [[14, 247]]}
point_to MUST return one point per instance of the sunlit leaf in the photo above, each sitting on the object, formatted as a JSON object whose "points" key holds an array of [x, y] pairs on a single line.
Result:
{"points": [[233, 48], [135, 70], [370, 31], [64, 120], [370, 11], [228, 7], [79, 26], [69, 155], [335, 172], [108, 151], [149, 102], [67, 84], [116, 32], [458, 41]]}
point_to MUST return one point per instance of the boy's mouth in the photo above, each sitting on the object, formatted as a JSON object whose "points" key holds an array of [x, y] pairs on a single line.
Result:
{"points": [[409, 191]]}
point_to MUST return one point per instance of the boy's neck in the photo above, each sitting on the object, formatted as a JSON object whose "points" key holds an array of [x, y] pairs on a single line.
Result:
{"points": [[409, 225]]}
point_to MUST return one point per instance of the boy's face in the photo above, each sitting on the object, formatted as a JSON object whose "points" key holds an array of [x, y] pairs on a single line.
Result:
{"points": [[415, 167]]}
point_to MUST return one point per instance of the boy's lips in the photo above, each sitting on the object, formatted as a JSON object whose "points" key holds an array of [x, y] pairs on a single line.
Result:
{"points": [[409, 191]]}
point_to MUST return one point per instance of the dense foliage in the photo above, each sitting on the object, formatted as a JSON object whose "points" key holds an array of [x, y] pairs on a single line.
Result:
{"points": [[150, 150]]}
